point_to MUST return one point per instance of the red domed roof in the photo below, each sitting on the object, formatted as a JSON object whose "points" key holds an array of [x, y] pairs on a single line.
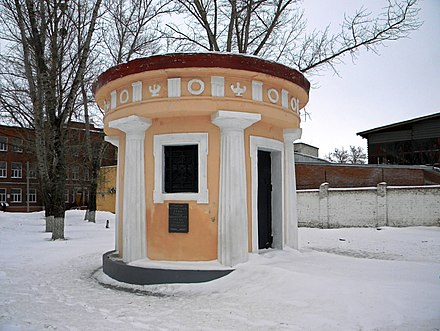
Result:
{"points": [[202, 60]]}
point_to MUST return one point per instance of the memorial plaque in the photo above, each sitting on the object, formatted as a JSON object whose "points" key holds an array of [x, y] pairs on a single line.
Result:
{"points": [[178, 217]]}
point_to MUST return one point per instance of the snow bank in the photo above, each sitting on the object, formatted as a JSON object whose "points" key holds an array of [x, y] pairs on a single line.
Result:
{"points": [[342, 279]]}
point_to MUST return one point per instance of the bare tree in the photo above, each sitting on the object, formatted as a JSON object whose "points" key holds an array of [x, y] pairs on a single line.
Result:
{"points": [[130, 29], [354, 155], [43, 79], [127, 29], [276, 30], [338, 156], [94, 152], [241, 26], [50, 61]]}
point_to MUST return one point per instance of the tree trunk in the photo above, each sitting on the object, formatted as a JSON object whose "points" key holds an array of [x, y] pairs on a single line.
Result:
{"points": [[49, 223], [92, 216], [59, 215], [86, 215], [48, 212], [92, 195], [58, 228], [59, 188]]}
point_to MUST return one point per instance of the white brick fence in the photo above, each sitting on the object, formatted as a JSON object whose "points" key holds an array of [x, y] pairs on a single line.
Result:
{"points": [[369, 207]]}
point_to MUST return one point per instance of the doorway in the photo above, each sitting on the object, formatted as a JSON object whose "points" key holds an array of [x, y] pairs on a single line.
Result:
{"points": [[267, 154], [265, 237]]}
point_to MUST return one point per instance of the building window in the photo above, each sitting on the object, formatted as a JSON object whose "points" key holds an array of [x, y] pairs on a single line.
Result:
{"points": [[3, 144], [32, 195], [32, 173], [77, 197], [3, 169], [16, 195], [67, 196], [2, 195], [16, 170], [75, 173], [17, 145], [86, 174], [181, 167]]}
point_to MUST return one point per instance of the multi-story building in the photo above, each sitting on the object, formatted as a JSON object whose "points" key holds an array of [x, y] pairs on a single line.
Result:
{"points": [[19, 184]]}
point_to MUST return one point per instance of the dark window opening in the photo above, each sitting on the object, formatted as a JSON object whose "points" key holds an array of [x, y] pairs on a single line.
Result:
{"points": [[181, 169], [420, 151]]}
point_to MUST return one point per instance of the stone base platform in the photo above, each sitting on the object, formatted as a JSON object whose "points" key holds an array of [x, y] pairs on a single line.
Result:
{"points": [[148, 272]]}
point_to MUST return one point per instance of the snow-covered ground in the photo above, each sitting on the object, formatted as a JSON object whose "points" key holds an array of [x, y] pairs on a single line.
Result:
{"points": [[341, 279]]}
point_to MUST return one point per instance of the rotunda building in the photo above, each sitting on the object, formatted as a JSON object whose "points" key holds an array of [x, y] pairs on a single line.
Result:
{"points": [[205, 156]]}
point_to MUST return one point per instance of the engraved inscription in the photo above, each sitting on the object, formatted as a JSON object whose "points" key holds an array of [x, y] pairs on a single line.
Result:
{"points": [[178, 217]]}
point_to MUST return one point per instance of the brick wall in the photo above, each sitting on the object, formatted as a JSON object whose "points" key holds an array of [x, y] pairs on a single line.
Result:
{"points": [[311, 176]]}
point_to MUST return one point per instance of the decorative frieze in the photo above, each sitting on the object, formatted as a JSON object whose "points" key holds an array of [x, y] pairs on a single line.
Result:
{"points": [[238, 90], [294, 105], [174, 87], [218, 86], [257, 90], [113, 97], [284, 99], [273, 95], [196, 91], [154, 90], [137, 91], [197, 87], [123, 96]]}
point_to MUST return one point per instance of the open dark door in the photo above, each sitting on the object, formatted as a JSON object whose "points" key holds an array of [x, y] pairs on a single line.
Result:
{"points": [[264, 200]]}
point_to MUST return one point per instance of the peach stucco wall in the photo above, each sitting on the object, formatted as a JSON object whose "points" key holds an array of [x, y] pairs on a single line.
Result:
{"points": [[106, 200], [200, 243], [187, 114]]}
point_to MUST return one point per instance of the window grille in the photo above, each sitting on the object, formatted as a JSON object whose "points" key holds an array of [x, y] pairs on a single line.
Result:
{"points": [[16, 195], [16, 170]]}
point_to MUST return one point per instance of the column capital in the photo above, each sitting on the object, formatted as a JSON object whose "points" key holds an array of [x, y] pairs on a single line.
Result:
{"points": [[234, 120], [131, 125], [292, 134], [114, 140]]}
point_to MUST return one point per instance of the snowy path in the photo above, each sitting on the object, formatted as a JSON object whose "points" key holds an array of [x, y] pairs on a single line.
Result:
{"points": [[47, 285]]}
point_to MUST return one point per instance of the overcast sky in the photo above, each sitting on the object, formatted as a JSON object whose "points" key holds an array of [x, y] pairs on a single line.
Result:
{"points": [[400, 83]]}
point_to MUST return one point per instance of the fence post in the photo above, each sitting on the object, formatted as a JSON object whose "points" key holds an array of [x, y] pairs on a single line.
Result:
{"points": [[382, 215], [323, 205]]}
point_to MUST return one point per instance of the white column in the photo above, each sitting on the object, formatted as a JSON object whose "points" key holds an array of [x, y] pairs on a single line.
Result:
{"points": [[290, 211], [115, 142], [232, 209], [134, 243]]}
